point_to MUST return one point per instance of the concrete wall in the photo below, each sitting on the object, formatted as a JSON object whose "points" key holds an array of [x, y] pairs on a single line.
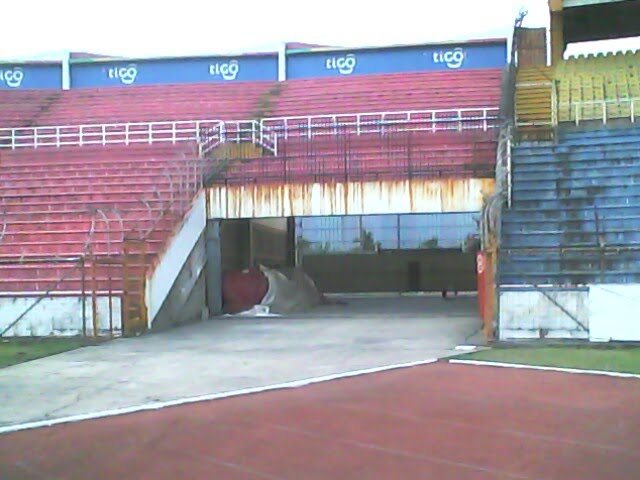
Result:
{"points": [[609, 311], [614, 312], [248, 243], [59, 316], [186, 301], [417, 195], [173, 259], [393, 271], [269, 241], [525, 312]]}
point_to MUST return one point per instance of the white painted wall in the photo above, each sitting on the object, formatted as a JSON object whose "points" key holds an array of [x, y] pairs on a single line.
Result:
{"points": [[530, 314], [418, 195], [614, 312], [610, 311], [171, 261], [60, 316]]}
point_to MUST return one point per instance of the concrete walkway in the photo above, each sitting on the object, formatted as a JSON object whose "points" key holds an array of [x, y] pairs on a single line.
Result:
{"points": [[227, 354]]}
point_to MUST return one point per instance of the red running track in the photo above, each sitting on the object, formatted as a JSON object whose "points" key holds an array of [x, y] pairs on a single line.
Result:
{"points": [[440, 421]]}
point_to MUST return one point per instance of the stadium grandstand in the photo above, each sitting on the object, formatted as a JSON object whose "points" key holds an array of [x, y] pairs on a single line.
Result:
{"points": [[107, 188], [131, 187], [566, 237]]}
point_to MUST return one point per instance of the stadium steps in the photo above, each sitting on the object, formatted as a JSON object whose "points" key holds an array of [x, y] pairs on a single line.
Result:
{"points": [[371, 157], [533, 100], [571, 199], [50, 196]]}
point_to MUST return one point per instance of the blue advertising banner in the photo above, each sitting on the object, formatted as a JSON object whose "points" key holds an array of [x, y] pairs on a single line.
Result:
{"points": [[334, 63], [26, 76], [173, 70]]}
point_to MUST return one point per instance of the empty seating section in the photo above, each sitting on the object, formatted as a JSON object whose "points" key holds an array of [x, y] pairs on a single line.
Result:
{"points": [[385, 154], [587, 85], [70, 201], [156, 103], [575, 215], [599, 87], [20, 108], [390, 92], [66, 201], [351, 157], [244, 100]]}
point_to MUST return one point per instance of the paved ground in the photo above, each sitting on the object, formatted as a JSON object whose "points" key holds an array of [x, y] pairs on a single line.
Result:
{"points": [[440, 421], [229, 354]]}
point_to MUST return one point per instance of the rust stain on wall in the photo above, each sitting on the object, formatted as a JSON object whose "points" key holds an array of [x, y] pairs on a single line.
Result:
{"points": [[353, 198]]}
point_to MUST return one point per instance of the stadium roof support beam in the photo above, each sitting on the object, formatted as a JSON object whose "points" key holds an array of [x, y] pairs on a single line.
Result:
{"points": [[575, 21]]}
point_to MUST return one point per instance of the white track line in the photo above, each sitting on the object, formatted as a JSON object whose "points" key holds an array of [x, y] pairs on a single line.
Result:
{"points": [[552, 369], [203, 398]]}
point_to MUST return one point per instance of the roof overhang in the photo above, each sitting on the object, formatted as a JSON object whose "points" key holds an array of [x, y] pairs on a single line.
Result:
{"points": [[589, 20]]}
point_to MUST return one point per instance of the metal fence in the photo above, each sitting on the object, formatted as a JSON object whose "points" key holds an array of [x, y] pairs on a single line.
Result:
{"points": [[599, 110], [66, 296], [343, 155]]}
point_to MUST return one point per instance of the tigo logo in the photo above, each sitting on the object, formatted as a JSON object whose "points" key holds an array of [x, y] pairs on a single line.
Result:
{"points": [[126, 75], [228, 71], [451, 58], [345, 65], [12, 77]]}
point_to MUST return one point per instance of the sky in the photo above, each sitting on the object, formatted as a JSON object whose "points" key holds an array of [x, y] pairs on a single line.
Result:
{"points": [[141, 28]]}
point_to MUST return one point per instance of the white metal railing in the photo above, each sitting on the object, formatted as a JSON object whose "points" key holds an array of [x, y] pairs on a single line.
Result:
{"points": [[604, 110], [104, 134], [211, 133], [238, 131], [384, 122], [209, 137]]}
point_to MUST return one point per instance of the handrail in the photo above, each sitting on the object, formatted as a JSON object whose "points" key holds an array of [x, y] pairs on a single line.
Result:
{"points": [[266, 132], [374, 122], [576, 108], [103, 134], [239, 131]]}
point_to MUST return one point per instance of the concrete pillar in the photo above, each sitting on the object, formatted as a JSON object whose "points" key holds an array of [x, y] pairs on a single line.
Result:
{"points": [[557, 38], [282, 62], [213, 268], [66, 71], [291, 242]]}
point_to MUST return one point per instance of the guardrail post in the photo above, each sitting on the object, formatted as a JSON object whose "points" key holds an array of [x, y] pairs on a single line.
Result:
{"points": [[94, 296], [83, 286]]}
